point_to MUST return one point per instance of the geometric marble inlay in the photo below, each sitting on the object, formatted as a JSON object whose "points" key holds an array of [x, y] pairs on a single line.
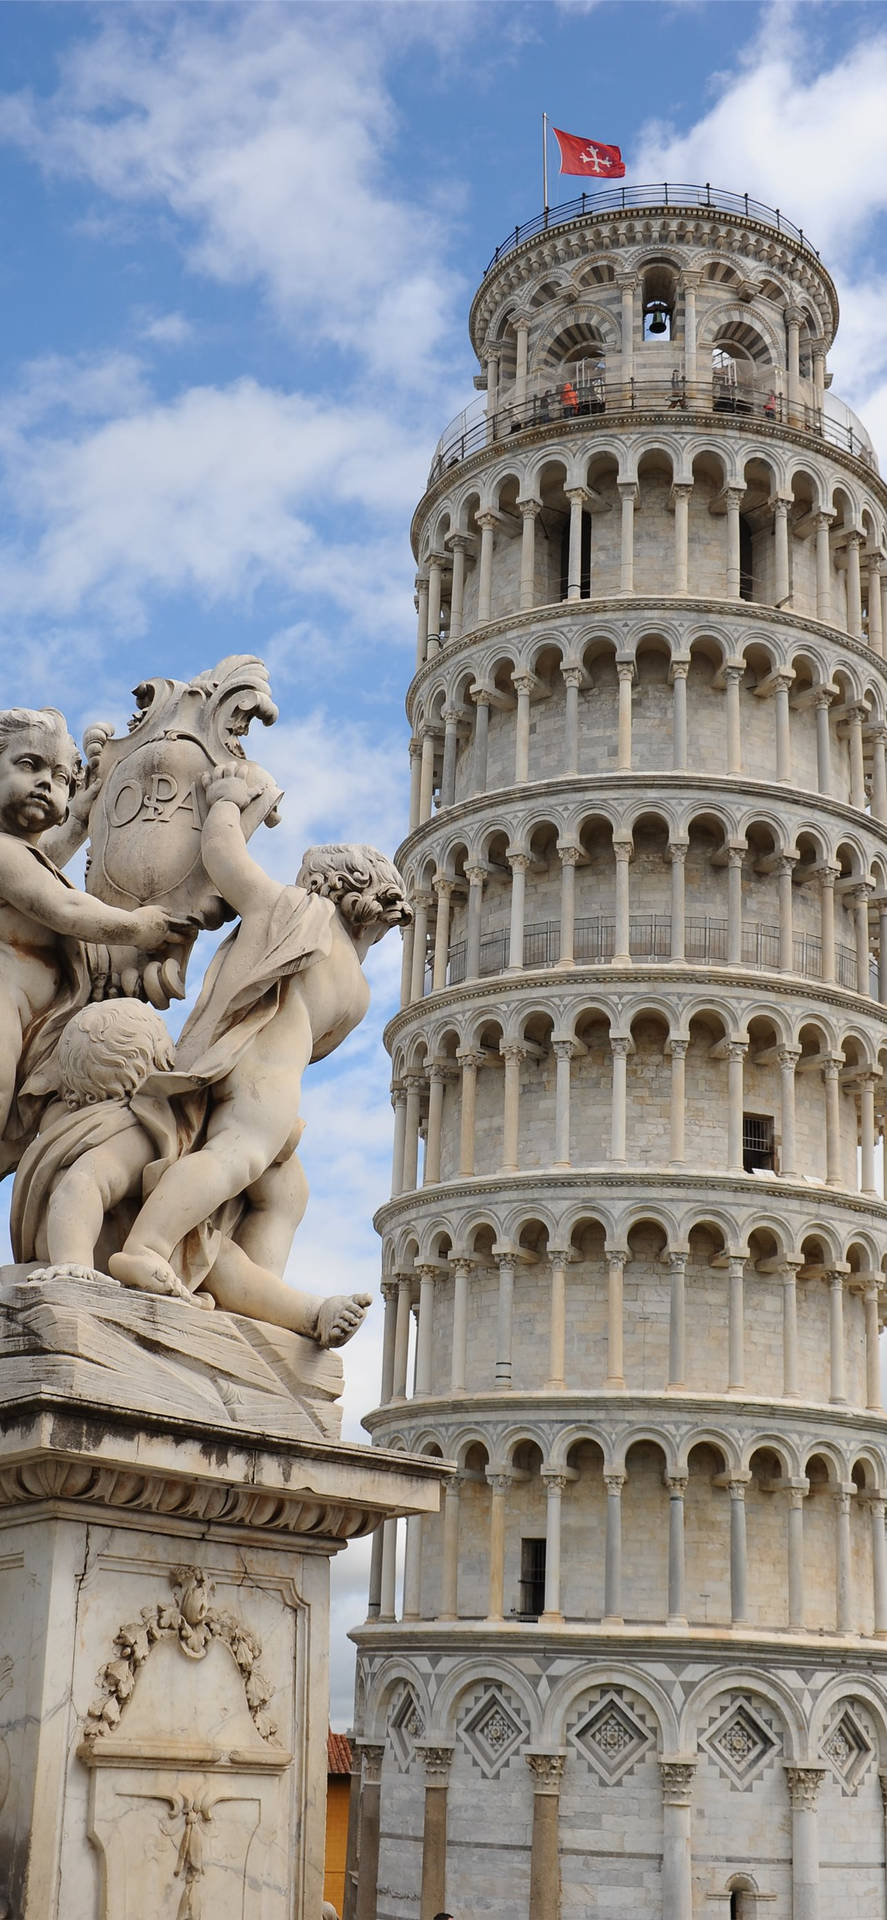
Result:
{"points": [[492, 1733], [406, 1726], [740, 1743], [612, 1738], [848, 1750]]}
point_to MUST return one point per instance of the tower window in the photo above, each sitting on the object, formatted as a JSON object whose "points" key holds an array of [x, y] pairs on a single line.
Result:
{"points": [[757, 1141], [532, 1578]]}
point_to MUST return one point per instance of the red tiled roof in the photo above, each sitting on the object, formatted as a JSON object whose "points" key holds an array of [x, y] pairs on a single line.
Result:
{"points": [[338, 1752]]}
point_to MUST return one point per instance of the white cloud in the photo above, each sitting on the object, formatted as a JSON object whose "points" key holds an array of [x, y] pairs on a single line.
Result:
{"points": [[265, 131], [343, 781], [167, 330]]}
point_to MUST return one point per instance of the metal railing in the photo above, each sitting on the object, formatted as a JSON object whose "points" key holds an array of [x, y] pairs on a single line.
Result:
{"points": [[649, 938], [675, 395], [674, 194]]}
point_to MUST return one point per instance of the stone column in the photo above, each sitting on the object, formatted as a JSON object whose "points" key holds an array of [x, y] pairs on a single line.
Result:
{"points": [[736, 1324], [837, 1386], [372, 1756], [878, 738], [614, 1483], [415, 783], [736, 1051], [616, 1258], [735, 858], [861, 931], [677, 1877], [469, 1062], [504, 1319], [627, 288], [782, 579], [513, 1053], [823, 742], [788, 1058], [449, 1593], [520, 866], [481, 698], [854, 585], [425, 1337], [421, 903], [492, 364], [867, 1086], [475, 877], [879, 1563], [452, 722], [414, 1085], [677, 1319], [434, 1836], [876, 630], [871, 1296], [569, 858], [738, 1552], [522, 335], [402, 1335], [523, 687], [733, 497], [677, 1487], [529, 511], [577, 497], [554, 1488], [434, 586], [785, 867], [488, 523], [558, 1260], [790, 1385], [499, 1484], [461, 1270], [781, 685], [679, 672], [563, 1053], [803, 1785], [680, 495], [412, 1569], [426, 773], [830, 1071], [678, 1051], [733, 673], [389, 1295], [843, 1565], [572, 679], [438, 1074], [823, 568], [387, 1606], [421, 618], [689, 281], [622, 852], [677, 854], [399, 1103], [545, 1872], [797, 1494], [619, 1046], [443, 887], [625, 672], [628, 494], [854, 718], [827, 877], [459, 544], [793, 320]]}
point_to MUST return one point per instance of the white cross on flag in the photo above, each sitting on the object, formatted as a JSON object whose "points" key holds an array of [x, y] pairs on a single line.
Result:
{"points": [[589, 156]]}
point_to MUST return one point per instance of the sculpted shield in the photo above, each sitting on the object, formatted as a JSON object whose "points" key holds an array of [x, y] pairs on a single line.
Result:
{"points": [[146, 820]]}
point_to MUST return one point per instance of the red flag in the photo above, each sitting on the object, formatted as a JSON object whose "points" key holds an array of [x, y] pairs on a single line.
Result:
{"points": [[588, 156]]}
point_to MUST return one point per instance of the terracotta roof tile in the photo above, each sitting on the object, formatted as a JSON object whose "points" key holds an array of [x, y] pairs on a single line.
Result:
{"points": [[338, 1752]]}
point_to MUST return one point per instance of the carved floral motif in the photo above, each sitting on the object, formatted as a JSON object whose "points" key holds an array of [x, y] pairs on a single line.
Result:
{"points": [[194, 1624]]}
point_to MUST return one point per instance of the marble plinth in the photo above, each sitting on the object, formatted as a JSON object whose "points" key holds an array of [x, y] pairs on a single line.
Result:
{"points": [[171, 1491]]}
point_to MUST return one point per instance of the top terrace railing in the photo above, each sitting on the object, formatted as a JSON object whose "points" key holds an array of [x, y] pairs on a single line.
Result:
{"points": [[664, 194], [674, 394]]}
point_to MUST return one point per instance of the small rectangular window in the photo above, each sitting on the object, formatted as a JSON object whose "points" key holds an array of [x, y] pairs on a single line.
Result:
{"points": [[532, 1578], [757, 1141]]}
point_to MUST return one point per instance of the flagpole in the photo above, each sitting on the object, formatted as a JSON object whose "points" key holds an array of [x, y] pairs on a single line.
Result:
{"points": [[545, 162]]}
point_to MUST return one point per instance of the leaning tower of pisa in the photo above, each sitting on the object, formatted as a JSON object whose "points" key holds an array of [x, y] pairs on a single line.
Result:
{"points": [[633, 1257]]}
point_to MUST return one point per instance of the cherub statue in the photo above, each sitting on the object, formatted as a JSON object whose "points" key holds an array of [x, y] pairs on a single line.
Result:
{"points": [[284, 989], [44, 920], [79, 1184]]}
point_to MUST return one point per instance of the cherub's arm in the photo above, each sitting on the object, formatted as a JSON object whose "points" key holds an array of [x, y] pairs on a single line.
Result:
{"points": [[231, 868], [26, 884]]}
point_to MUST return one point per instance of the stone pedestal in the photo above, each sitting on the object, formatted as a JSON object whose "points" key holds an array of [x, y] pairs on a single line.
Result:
{"points": [[171, 1492]]}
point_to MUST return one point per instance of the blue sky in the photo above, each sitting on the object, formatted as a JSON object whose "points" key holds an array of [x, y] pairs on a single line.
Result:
{"points": [[237, 247]]}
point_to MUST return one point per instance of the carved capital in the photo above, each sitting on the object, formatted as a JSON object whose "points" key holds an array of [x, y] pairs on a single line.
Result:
{"points": [[437, 1763], [614, 1483], [677, 1778], [547, 1770], [555, 1482], [372, 1755], [803, 1785]]}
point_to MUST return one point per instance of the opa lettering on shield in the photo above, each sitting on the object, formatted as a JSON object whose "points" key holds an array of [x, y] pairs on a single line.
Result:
{"points": [[157, 799]]}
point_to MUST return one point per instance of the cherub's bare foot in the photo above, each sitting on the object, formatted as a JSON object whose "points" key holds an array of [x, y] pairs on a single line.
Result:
{"points": [[148, 1273], [340, 1316], [66, 1270]]}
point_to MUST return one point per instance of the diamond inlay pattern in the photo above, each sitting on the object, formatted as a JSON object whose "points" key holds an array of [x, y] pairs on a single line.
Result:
{"points": [[741, 1743], [848, 1749], [406, 1726], [612, 1738], [492, 1732]]}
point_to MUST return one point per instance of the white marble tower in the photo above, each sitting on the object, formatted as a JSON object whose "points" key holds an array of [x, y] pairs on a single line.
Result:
{"points": [[639, 1663]]}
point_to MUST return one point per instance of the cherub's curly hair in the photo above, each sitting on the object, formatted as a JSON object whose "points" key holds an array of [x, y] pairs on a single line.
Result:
{"points": [[365, 885], [48, 720], [108, 1049]]}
